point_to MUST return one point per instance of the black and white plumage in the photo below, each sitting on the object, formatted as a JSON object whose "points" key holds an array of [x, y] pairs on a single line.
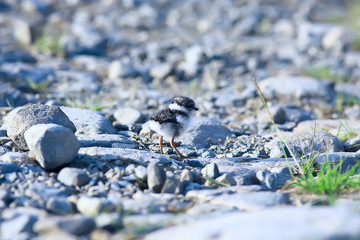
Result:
{"points": [[171, 122]]}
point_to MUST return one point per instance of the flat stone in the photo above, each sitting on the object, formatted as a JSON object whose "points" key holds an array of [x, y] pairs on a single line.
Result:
{"points": [[297, 86], [9, 167], [89, 122], [304, 143], [251, 201], [15, 157], [52, 145], [128, 116], [326, 223], [29, 116], [239, 167], [105, 140], [77, 225], [125, 155], [73, 177], [203, 129], [336, 127], [10, 229]]}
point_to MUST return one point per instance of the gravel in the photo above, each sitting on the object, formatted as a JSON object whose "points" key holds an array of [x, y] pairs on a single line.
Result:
{"points": [[79, 80]]}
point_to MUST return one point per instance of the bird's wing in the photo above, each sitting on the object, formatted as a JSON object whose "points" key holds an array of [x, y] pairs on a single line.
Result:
{"points": [[164, 116]]}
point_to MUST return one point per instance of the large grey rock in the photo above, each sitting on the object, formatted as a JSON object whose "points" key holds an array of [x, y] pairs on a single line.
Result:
{"points": [[326, 223], [105, 140], [10, 96], [348, 159], [73, 177], [203, 130], [299, 87], [304, 143], [156, 177], [29, 116], [88, 122], [77, 225], [52, 145]]}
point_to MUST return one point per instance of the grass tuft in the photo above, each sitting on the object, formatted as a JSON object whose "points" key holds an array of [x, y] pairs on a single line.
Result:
{"points": [[327, 180]]}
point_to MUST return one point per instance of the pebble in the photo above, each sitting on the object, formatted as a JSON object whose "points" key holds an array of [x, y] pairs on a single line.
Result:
{"points": [[40, 140], [60, 206], [128, 59], [210, 171], [73, 177], [156, 177], [92, 206]]}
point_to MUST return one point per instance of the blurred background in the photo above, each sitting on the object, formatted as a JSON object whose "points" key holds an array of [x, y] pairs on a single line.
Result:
{"points": [[107, 54]]}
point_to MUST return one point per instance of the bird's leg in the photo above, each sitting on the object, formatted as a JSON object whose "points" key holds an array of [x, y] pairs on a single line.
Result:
{"points": [[161, 144], [177, 151]]}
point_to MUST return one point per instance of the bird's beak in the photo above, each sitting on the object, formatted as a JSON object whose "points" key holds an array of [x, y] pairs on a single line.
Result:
{"points": [[196, 109]]}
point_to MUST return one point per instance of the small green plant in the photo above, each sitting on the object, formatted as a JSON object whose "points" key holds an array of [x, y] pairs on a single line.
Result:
{"points": [[282, 141], [39, 87], [341, 101], [352, 21], [350, 132], [92, 103], [324, 72], [328, 180], [214, 182], [48, 44]]}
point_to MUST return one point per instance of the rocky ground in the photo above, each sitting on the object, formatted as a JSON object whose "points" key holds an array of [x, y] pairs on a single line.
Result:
{"points": [[79, 80]]}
